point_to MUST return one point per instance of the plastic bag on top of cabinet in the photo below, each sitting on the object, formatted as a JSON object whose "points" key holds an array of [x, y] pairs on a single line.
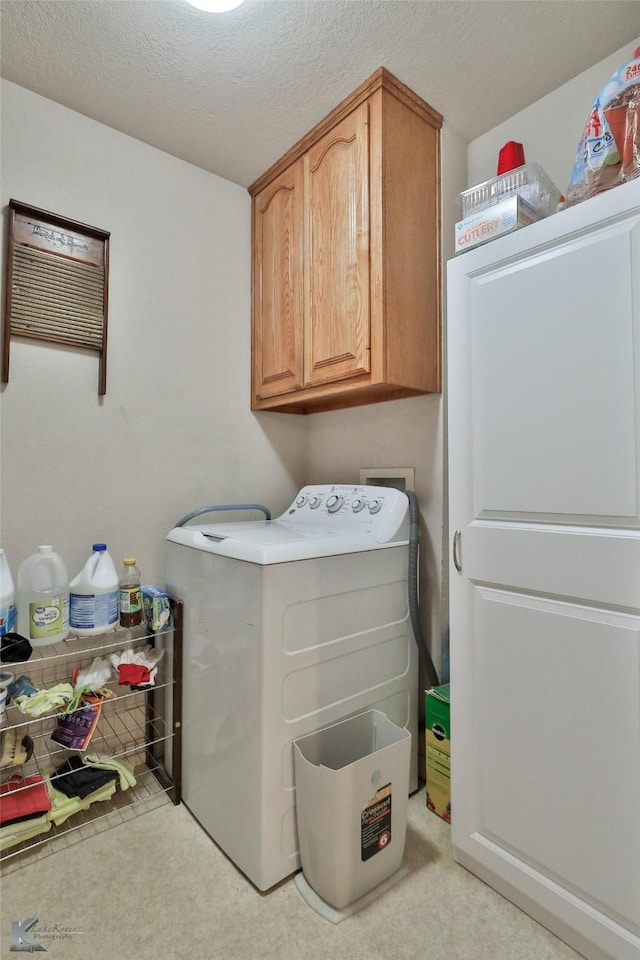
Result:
{"points": [[609, 149]]}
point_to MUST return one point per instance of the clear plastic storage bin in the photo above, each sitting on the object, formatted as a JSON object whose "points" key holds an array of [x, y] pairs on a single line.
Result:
{"points": [[529, 182]]}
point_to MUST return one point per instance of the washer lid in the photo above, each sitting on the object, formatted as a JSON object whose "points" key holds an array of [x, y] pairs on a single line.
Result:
{"points": [[323, 520], [273, 541]]}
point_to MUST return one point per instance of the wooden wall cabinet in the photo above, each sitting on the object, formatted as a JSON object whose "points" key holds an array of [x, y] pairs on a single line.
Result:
{"points": [[346, 258]]}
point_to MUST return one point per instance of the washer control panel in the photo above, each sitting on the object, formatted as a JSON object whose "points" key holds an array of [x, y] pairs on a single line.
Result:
{"points": [[343, 508]]}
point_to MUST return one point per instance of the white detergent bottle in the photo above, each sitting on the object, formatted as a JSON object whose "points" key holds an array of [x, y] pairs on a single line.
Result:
{"points": [[43, 597], [94, 595], [7, 597]]}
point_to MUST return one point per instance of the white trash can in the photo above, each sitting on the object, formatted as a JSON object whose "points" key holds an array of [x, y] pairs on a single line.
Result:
{"points": [[352, 789]]}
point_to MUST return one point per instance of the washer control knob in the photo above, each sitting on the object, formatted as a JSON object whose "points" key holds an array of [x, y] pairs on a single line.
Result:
{"points": [[358, 505], [334, 503], [314, 502], [375, 506], [300, 502]]}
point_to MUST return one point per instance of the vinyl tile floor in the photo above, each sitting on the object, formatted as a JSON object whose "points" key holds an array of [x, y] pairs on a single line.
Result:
{"points": [[155, 887]]}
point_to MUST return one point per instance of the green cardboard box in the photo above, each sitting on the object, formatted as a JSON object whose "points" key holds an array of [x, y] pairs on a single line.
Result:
{"points": [[437, 709], [157, 607]]}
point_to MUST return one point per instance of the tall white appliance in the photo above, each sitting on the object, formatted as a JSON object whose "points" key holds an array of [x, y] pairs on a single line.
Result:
{"points": [[289, 625], [544, 466]]}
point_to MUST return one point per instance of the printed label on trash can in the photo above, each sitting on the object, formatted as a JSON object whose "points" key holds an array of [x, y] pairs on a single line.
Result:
{"points": [[376, 823]]}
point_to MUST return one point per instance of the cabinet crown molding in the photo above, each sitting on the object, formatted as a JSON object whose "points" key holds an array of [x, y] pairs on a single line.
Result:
{"points": [[382, 79]]}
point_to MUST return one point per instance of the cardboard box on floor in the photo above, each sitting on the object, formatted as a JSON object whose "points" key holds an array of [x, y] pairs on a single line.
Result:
{"points": [[437, 710]]}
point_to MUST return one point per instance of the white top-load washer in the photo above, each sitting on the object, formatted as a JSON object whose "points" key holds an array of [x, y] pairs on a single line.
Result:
{"points": [[289, 625]]}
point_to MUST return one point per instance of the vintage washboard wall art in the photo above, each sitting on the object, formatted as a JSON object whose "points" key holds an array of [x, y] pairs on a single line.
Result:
{"points": [[57, 283]]}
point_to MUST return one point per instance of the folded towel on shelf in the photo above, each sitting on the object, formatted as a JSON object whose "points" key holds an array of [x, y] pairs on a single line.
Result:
{"points": [[74, 779], [18, 832], [64, 807], [104, 762], [22, 798]]}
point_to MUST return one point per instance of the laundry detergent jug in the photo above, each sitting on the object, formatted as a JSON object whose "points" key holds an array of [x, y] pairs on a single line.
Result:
{"points": [[7, 597], [94, 594]]}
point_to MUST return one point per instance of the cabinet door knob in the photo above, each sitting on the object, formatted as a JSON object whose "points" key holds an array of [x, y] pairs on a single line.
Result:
{"points": [[457, 537]]}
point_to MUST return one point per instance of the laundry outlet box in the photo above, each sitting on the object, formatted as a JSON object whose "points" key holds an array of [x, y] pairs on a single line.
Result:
{"points": [[437, 709], [157, 608]]}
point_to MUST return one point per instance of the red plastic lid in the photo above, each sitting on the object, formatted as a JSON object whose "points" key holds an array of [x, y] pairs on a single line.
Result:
{"points": [[510, 157]]}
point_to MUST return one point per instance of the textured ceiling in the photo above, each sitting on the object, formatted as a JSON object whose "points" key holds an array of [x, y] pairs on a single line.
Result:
{"points": [[232, 92]]}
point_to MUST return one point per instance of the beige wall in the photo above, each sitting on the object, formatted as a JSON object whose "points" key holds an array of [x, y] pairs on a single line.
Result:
{"points": [[174, 430]]}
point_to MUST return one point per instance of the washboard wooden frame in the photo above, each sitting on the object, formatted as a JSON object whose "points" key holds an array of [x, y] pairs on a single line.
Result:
{"points": [[57, 283]]}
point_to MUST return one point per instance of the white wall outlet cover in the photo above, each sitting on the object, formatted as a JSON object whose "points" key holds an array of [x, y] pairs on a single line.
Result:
{"points": [[402, 478]]}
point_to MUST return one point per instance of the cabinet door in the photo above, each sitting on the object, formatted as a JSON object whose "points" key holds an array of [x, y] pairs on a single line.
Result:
{"points": [[337, 288], [544, 461], [278, 285]]}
